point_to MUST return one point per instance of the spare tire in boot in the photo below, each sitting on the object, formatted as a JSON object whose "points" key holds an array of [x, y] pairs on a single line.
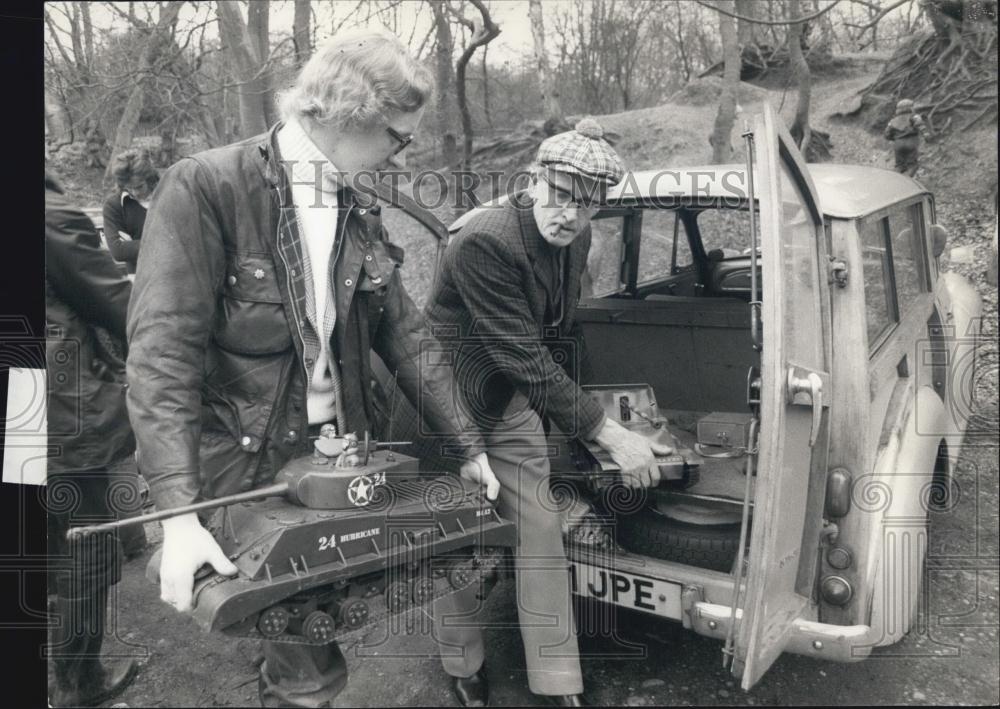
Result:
{"points": [[707, 546]]}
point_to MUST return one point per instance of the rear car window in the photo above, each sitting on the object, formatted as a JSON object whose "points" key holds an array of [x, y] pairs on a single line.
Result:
{"points": [[656, 251], [879, 307], [727, 230], [605, 257], [907, 254]]}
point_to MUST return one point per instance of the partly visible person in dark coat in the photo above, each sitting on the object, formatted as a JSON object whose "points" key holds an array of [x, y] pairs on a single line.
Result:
{"points": [[266, 281], [89, 442], [125, 209]]}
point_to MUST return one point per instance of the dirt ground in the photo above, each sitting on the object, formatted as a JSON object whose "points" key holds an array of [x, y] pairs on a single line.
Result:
{"points": [[951, 657]]}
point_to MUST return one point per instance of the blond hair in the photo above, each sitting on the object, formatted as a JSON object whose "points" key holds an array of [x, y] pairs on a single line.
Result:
{"points": [[355, 79]]}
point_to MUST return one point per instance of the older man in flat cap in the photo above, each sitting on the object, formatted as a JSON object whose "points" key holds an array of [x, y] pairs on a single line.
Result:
{"points": [[507, 293]]}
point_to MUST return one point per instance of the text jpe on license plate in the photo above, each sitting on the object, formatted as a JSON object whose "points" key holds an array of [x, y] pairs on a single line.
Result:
{"points": [[625, 589]]}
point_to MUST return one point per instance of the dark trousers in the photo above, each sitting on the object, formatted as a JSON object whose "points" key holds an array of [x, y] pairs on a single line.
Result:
{"points": [[907, 152], [80, 573]]}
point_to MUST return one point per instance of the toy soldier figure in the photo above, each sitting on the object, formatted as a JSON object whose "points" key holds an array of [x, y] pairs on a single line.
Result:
{"points": [[95, 144], [904, 130]]}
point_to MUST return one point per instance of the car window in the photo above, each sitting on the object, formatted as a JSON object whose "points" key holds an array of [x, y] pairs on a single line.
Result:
{"points": [[657, 258], [879, 303], [801, 292], [420, 246], [907, 254], [727, 230], [605, 257]]}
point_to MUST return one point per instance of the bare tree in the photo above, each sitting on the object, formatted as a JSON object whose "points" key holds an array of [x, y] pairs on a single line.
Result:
{"points": [[246, 65], [258, 28], [159, 38], [550, 96], [447, 104], [721, 138], [484, 31], [300, 32], [803, 78]]}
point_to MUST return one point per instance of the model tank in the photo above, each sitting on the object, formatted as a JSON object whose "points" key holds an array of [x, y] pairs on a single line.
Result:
{"points": [[344, 538]]}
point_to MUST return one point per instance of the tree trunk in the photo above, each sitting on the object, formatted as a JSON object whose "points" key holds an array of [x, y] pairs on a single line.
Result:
{"points": [[258, 27], [682, 45], [813, 144], [88, 35], [446, 104], [56, 118], [300, 32], [482, 35], [242, 52], [159, 35], [550, 96], [721, 138]]}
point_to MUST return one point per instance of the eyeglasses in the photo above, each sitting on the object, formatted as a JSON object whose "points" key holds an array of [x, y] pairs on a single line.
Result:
{"points": [[403, 140], [568, 198]]}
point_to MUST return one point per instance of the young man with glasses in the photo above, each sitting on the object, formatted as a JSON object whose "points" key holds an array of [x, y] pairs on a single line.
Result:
{"points": [[266, 281], [508, 289]]}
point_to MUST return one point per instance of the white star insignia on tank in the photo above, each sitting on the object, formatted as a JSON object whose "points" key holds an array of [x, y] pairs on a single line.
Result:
{"points": [[359, 491]]}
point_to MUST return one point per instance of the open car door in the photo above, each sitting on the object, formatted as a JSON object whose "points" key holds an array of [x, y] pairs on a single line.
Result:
{"points": [[795, 389]]}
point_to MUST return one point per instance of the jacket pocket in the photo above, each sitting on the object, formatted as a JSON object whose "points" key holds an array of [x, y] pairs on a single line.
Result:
{"points": [[225, 466], [252, 319]]}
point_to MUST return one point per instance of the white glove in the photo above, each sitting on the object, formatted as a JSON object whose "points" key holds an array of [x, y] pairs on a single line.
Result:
{"points": [[477, 469], [633, 454], [186, 546]]}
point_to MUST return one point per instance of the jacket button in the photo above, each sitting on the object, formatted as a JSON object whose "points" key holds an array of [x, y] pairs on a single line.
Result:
{"points": [[232, 280], [291, 437], [294, 272], [362, 211], [348, 283], [368, 257], [246, 441]]}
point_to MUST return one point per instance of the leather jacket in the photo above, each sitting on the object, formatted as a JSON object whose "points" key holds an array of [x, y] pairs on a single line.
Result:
{"points": [[84, 290], [219, 342]]}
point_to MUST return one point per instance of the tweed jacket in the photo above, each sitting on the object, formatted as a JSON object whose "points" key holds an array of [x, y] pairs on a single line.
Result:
{"points": [[489, 303], [222, 343]]}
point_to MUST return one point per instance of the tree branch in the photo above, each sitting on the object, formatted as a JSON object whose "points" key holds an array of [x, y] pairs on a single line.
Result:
{"points": [[796, 21], [878, 18]]}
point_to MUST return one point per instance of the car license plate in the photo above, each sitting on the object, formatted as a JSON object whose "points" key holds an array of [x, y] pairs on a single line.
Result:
{"points": [[640, 593]]}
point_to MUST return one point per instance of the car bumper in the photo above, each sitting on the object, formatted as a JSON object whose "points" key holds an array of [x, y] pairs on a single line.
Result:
{"points": [[701, 600]]}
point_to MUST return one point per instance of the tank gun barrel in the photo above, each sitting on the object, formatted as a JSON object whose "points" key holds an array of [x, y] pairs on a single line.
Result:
{"points": [[275, 490]]}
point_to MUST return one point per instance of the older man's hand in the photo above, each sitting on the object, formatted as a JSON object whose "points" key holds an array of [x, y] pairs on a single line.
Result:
{"points": [[633, 454], [186, 546], [477, 469]]}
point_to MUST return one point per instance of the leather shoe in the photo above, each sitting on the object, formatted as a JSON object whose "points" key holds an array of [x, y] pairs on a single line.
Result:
{"points": [[565, 700], [472, 691]]}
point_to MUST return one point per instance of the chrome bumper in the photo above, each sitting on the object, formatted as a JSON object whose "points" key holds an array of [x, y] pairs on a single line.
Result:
{"points": [[838, 643]]}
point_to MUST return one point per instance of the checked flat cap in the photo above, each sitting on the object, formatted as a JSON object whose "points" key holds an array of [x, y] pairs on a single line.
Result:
{"points": [[584, 151]]}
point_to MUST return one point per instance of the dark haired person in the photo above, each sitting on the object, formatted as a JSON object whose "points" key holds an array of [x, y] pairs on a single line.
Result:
{"points": [[125, 210]]}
